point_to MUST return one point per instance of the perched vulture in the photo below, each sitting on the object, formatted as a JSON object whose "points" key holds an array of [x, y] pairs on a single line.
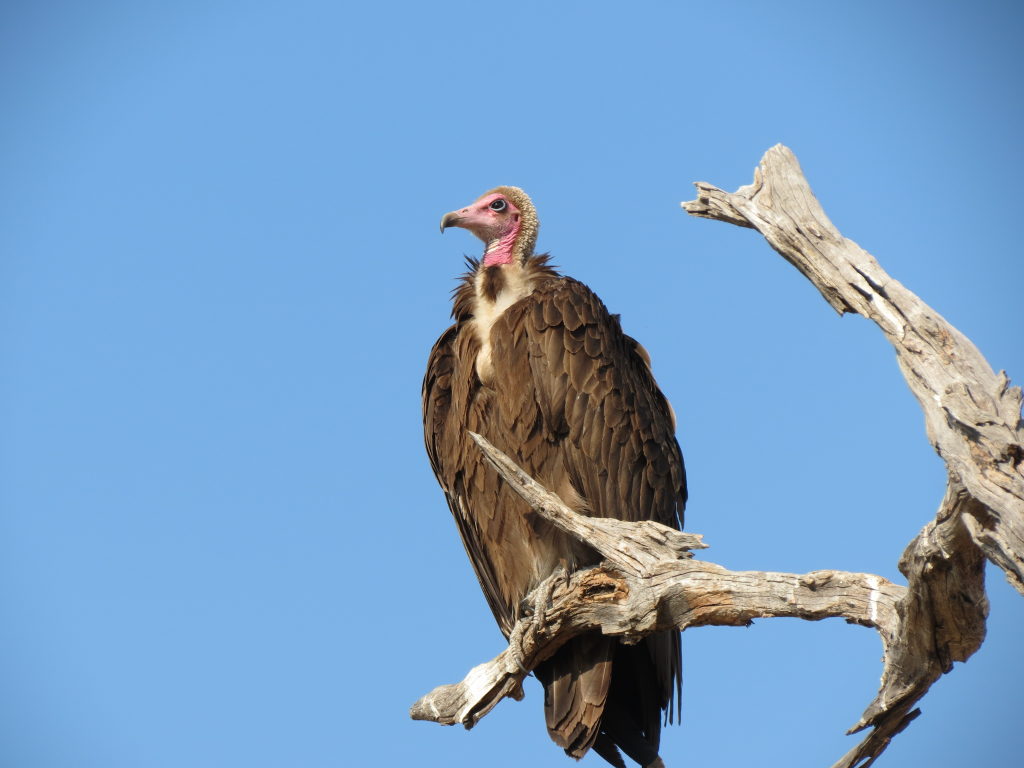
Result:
{"points": [[537, 365]]}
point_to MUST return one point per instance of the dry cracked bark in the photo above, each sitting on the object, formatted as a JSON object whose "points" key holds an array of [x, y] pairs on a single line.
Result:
{"points": [[649, 582], [972, 415], [972, 419]]}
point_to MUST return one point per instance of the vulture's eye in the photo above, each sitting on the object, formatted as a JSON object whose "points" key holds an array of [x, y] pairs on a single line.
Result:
{"points": [[499, 205]]}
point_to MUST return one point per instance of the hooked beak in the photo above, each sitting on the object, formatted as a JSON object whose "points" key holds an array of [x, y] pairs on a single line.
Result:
{"points": [[450, 220]]}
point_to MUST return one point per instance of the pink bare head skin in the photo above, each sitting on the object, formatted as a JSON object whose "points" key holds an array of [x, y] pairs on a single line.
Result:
{"points": [[497, 220]]}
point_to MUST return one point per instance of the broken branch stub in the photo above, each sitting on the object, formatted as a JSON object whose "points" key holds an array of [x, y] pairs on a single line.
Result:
{"points": [[633, 547]]}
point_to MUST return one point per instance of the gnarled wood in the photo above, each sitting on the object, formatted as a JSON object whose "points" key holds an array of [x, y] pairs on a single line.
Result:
{"points": [[647, 583], [972, 415], [683, 593], [972, 418]]}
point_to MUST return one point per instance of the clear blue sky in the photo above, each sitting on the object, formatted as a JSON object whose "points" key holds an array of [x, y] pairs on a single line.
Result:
{"points": [[220, 276]]}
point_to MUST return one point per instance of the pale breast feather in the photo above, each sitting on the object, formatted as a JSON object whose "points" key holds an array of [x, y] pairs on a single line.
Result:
{"points": [[496, 289]]}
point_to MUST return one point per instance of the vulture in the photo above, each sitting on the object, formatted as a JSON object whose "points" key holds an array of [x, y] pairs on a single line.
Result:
{"points": [[535, 363]]}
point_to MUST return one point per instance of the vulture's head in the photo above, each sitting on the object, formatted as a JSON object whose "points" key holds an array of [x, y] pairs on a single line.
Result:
{"points": [[505, 219]]}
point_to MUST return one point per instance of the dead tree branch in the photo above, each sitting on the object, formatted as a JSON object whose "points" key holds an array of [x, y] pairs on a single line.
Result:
{"points": [[647, 583], [972, 417]]}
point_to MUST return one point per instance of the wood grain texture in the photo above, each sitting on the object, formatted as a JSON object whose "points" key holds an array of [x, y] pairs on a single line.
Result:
{"points": [[647, 583], [972, 415], [972, 419]]}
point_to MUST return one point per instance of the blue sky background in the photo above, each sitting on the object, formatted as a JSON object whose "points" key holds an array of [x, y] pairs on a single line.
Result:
{"points": [[220, 276]]}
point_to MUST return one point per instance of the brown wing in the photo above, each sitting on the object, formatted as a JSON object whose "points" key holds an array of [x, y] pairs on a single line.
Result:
{"points": [[446, 400], [600, 403], [616, 435]]}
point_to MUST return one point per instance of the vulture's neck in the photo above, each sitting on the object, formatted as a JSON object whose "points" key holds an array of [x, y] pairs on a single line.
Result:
{"points": [[500, 250]]}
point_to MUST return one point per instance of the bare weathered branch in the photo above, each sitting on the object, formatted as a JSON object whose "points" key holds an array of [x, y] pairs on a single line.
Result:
{"points": [[681, 594], [655, 586], [632, 547], [672, 593], [972, 417]]}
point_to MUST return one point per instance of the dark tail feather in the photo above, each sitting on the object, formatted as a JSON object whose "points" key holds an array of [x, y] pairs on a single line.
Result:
{"points": [[602, 694], [642, 688], [605, 747], [576, 682], [664, 651]]}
